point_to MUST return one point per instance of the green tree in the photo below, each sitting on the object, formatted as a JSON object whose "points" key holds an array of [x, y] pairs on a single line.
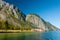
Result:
{"points": [[7, 25]]}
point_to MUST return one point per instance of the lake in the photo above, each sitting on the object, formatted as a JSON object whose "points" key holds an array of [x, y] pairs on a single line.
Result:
{"points": [[51, 35]]}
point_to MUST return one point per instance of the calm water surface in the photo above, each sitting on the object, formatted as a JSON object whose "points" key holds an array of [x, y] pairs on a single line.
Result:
{"points": [[51, 35]]}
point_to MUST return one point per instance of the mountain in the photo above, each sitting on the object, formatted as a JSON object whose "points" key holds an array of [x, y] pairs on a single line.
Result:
{"points": [[39, 22], [11, 18]]}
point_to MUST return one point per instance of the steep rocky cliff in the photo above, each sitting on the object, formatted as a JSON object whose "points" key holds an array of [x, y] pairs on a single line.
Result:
{"points": [[39, 22], [12, 18], [10, 10]]}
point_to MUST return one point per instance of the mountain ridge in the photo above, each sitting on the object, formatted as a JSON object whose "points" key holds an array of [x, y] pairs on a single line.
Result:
{"points": [[11, 18]]}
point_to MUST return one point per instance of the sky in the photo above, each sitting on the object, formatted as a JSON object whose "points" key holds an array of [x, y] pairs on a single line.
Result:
{"points": [[49, 10]]}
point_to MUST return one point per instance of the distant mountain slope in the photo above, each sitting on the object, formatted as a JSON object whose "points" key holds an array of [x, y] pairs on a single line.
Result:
{"points": [[50, 26], [39, 22]]}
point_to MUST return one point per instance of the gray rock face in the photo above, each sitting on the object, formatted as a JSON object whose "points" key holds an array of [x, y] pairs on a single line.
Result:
{"points": [[39, 22], [11, 18], [10, 9], [35, 20], [10, 13]]}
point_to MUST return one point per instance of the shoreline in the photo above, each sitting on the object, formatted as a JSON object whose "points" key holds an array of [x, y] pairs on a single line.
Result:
{"points": [[16, 31]]}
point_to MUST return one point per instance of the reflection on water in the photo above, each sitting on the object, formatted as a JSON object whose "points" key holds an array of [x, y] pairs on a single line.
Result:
{"points": [[52, 35]]}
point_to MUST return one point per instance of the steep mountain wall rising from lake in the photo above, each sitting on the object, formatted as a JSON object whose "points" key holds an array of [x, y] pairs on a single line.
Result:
{"points": [[11, 18]]}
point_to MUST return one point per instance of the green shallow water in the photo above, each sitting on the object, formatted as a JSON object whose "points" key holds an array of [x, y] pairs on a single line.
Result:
{"points": [[51, 35], [16, 36]]}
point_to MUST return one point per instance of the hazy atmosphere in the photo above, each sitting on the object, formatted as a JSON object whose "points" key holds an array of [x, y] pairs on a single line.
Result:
{"points": [[49, 10]]}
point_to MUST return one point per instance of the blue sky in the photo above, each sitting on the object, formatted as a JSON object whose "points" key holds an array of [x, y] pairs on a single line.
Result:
{"points": [[49, 10]]}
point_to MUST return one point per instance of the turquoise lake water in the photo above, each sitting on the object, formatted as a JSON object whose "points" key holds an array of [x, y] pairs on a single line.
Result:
{"points": [[51, 35]]}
